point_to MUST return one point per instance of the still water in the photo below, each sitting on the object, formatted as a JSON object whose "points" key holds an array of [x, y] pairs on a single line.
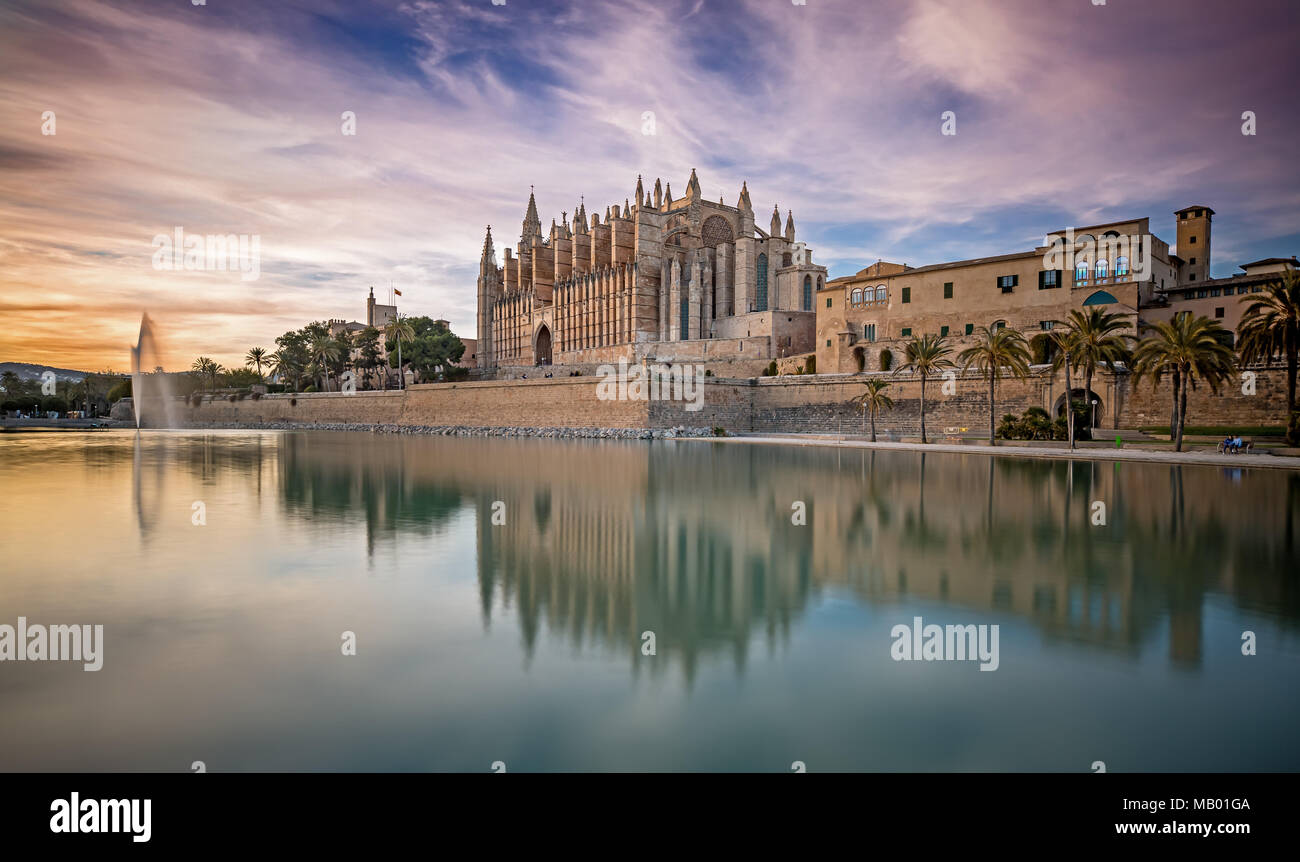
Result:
{"points": [[524, 642]]}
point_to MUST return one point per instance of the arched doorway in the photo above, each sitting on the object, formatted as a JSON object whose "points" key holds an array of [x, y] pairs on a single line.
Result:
{"points": [[860, 358], [542, 353], [1080, 394]]}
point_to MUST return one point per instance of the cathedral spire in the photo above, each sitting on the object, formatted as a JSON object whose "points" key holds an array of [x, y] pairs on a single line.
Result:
{"points": [[607, 216], [532, 224], [627, 211], [659, 195], [789, 225], [693, 187], [776, 221], [640, 192], [668, 195], [489, 253]]}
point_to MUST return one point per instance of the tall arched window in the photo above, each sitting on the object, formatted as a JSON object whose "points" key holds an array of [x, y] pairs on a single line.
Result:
{"points": [[880, 293], [1121, 266], [1103, 269], [807, 293], [1081, 271], [760, 296], [685, 306], [856, 296]]}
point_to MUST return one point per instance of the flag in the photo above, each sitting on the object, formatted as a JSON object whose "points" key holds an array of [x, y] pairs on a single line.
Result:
{"points": [[398, 292]]}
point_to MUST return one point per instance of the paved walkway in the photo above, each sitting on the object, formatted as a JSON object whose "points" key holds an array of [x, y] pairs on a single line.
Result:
{"points": [[1211, 459]]}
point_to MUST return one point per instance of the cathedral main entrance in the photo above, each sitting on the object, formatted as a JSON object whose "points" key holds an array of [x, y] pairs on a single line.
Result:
{"points": [[542, 353]]}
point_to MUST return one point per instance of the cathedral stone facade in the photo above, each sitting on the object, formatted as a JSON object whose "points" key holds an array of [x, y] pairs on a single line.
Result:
{"points": [[659, 278]]}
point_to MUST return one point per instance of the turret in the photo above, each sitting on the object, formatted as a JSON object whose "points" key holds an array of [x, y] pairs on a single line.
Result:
{"points": [[789, 225], [776, 222]]}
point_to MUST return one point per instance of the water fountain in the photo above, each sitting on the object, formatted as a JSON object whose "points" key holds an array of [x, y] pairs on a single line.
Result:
{"points": [[152, 399]]}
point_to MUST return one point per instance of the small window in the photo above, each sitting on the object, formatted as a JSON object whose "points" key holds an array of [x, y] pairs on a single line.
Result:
{"points": [[1218, 312], [999, 325], [1192, 261], [828, 342], [1191, 276], [828, 302], [1046, 325], [947, 290], [1214, 291], [907, 294], [1049, 278], [943, 331], [1008, 282], [1191, 240], [1202, 294], [970, 328], [1182, 216], [907, 330]]}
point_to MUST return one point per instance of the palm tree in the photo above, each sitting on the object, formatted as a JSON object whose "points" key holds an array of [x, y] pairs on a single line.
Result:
{"points": [[873, 401], [256, 357], [994, 350], [324, 350], [1096, 342], [927, 355], [1062, 337], [206, 367], [1270, 326], [285, 365], [1188, 349], [399, 329]]}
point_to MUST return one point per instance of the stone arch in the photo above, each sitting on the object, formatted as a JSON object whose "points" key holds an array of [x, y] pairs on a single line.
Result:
{"points": [[1078, 393], [860, 358], [1101, 297]]}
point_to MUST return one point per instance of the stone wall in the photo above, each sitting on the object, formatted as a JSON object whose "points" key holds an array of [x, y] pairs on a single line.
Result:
{"points": [[808, 403]]}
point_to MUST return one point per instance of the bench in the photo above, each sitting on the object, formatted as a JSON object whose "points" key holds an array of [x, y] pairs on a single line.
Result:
{"points": [[1246, 446]]}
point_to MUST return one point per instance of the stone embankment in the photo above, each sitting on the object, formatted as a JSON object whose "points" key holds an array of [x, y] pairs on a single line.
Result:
{"points": [[467, 431]]}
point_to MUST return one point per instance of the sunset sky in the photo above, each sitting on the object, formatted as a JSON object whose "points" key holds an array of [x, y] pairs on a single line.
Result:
{"points": [[225, 118]]}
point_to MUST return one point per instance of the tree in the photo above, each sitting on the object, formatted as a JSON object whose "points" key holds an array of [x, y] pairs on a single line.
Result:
{"points": [[927, 356], [257, 358], [205, 367], [1188, 349], [873, 401], [433, 349], [323, 351], [368, 351], [1062, 336], [1270, 327], [994, 350], [11, 383], [1094, 334], [396, 331]]}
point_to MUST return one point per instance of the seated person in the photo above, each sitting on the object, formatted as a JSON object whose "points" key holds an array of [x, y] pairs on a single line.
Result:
{"points": [[1237, 444]]}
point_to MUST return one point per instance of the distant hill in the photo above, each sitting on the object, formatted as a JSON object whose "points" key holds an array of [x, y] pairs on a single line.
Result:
{"points": [[30, 371]]}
